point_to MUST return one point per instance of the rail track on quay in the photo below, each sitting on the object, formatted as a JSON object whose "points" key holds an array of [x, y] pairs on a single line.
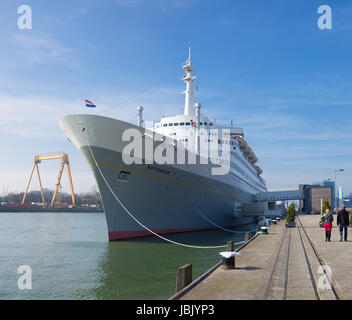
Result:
{"points": [[283, 256]]}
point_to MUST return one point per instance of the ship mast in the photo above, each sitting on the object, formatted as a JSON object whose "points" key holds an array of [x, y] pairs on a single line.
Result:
{"points": [[189, 100]]}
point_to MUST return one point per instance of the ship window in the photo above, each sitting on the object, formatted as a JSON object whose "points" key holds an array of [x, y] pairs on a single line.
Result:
{"points": [[170, 124], [187, 123], [175, 124], [164, 125], [205, 123], [210, 124], [182, 123], [219, 141], [200, 123], [123, 175]]}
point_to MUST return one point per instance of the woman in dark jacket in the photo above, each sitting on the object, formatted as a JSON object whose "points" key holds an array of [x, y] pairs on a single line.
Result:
{"points": [[328, 218]]}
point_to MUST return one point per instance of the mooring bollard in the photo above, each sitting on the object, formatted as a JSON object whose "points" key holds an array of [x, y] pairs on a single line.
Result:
{"points": [[184, 277], [248, 236], [264, 230], [228, 259], [231, 246]]}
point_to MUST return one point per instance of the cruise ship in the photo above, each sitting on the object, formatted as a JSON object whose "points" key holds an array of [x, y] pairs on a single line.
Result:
{"points": [[185, 173]]}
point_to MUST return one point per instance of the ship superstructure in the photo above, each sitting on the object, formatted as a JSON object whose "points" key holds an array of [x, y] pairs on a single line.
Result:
{"points": [[193, 129]]}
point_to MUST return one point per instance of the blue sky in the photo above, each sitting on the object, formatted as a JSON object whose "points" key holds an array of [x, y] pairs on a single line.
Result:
{"points": [[264, 64]]}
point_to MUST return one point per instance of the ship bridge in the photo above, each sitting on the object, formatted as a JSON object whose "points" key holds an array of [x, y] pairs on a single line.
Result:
{"points": [[279, 195]]}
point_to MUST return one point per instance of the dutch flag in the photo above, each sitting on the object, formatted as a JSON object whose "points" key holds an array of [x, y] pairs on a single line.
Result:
{"points": [[90, 104]]}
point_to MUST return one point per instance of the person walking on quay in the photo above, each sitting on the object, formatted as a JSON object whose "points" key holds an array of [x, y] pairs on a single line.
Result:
{"points": [[343, 222], [328, 218]]}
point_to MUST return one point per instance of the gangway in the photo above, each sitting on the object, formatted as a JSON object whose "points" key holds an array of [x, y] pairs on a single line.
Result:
{"points": [[279, 195], [64, 161]]}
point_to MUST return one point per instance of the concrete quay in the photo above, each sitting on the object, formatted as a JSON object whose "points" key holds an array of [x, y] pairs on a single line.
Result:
{"points": [[285, 264]]}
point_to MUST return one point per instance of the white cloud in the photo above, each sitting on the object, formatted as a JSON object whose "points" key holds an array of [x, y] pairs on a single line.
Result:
{"points": [[42, 49], [35, 117]]}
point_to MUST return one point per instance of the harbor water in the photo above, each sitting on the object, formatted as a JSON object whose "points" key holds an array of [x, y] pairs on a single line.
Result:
{"points": [[71, 258]]}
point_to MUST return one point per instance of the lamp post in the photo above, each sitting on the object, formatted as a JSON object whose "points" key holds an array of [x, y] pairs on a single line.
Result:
{"points": [[335, 171], [332, 194]]}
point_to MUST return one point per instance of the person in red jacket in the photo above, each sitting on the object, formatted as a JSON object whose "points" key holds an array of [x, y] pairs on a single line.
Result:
{"points": [[328, 218]]}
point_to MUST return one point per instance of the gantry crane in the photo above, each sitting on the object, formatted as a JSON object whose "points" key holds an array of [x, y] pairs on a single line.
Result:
{"points": [[64, 161]]}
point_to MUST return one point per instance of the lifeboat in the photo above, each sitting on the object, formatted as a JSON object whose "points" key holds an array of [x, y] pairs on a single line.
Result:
{"points": [[246, 149], [241, 142], [253, 158], [259, 170]]}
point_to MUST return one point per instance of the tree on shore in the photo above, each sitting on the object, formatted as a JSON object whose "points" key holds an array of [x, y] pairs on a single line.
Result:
{"points": [[325, 206], [291, 213]]}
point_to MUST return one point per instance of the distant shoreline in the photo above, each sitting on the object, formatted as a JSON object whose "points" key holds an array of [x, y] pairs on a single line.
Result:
{"points": [[48, 209]]}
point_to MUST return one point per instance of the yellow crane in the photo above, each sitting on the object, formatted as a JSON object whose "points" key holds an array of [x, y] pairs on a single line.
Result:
{"points": [[64, 161]]}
